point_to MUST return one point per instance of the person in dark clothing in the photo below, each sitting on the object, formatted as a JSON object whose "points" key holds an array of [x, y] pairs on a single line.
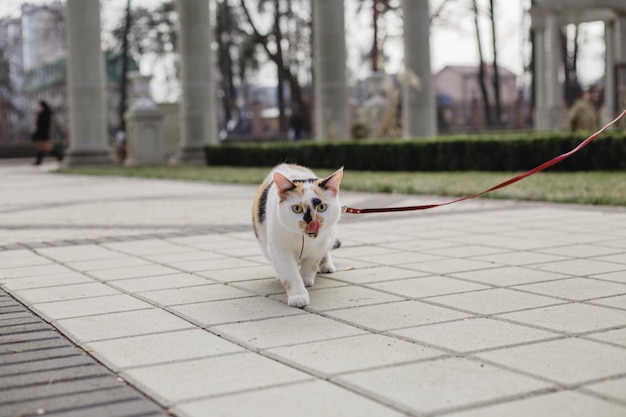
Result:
{"points": [[41, 135]]}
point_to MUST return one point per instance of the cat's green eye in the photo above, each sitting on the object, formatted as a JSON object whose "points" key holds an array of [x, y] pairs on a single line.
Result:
{"points": [[297, 208], [321, 207]]}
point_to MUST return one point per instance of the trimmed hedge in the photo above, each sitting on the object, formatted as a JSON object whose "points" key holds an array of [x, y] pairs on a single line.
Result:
{"points": [[510, 152]]}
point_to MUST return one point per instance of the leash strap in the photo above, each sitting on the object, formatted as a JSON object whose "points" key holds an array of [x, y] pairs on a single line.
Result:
{"points": [[553, 161]]}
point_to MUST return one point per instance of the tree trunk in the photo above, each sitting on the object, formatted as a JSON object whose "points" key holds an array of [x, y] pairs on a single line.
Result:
{"points": [[375, 55], [496, 76], [481, 68], [123, 83], [280, 90]]}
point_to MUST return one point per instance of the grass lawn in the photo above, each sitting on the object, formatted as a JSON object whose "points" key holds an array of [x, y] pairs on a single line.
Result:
{"points": [[596, 187]]}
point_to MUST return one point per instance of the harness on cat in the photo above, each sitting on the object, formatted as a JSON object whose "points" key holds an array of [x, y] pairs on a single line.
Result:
{"points": [[553, 161]]}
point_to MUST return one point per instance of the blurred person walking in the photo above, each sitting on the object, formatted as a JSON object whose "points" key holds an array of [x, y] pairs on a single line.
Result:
{"points": [[41, 135], [583, 115]]}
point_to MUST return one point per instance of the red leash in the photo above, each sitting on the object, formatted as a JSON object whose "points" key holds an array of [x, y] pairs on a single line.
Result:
{"points": [[520, 177]]}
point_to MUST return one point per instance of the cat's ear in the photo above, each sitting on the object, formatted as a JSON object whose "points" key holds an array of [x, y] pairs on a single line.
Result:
{"points": [[283, 184], [332, 183]]}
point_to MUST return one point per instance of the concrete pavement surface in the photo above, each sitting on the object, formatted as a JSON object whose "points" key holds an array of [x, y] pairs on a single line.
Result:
{"points": [[483, 308]]}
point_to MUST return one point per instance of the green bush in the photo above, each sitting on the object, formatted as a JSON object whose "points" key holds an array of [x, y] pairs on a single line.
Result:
{"points": [[508, 152]]}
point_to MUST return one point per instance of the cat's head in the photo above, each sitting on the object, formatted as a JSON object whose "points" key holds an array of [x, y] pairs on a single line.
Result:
{"points": [[309, 205]]}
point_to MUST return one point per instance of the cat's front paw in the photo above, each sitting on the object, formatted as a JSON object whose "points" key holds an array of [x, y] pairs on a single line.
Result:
{"points": [[298, 300], [327, 268]]}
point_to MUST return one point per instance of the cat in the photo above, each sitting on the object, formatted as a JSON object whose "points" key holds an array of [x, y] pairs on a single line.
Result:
{"points": [[295, 215]]}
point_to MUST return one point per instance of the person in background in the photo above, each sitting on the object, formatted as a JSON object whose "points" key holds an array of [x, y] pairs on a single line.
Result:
{"points": [[41, 135], [583, 115]]}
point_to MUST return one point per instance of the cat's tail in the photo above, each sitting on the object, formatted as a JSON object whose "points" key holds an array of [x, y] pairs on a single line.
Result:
{"points": [[336, 245]]}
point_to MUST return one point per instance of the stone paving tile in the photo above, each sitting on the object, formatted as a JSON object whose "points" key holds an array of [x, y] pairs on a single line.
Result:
{"points": [[233, 310], [560, 404], [570, 318], [192, 295], [349, 354], [183, 345], [615, 389], [466, 251], [150, 270], [618, 276], [124, 324], [508, 276], [582, 251], [400, 258], [575, 288], [64, 292], [617, 337], [449, 266], [473, 334], [376, 274], [440, 385], [323, 299], [566, 361], [97, 264], [392, 316], [283, 331], [160, 282], [79, 253], [519, 258], [146, 247], [494, 301], [426, 286], [617, 258], [240, 273], [31, 271], [617, 302], [21, 258], [89, 306], [305, 399], [580, 267], [174, 383], [271, 286], [65, 278]]}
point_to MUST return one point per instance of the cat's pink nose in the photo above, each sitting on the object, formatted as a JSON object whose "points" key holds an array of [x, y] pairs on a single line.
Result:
{"points": [[313, 227]]}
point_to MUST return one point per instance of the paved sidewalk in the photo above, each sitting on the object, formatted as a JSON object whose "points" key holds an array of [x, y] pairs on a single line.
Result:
{"points": [[483, 308]]}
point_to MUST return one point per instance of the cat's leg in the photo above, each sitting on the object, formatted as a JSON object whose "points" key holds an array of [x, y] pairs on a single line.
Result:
{"points": [[308, 269], [326, 264], [287, 273]]}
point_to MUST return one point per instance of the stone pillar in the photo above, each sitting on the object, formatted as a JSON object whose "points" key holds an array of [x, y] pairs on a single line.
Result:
{"points": [[553, 87], [332, 119], [86, 86], [607, 112], [197, 104], [144, 141], [418, 100]]}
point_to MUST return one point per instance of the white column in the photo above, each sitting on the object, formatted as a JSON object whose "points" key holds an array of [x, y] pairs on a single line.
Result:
{"points": [[197, 104], [86, 81], [553, 87], [418, 99], [332, 119]]}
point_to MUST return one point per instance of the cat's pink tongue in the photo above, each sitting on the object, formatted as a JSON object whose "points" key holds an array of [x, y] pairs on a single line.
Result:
{"points": [[313, 227]]}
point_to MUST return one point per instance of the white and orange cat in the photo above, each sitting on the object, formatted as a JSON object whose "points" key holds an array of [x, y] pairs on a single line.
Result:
{"points": [[295, 215]]}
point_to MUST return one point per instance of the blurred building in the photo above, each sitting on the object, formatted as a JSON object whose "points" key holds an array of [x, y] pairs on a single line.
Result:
{"points": [[460, 101], [33, 60], [35, 41]]}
